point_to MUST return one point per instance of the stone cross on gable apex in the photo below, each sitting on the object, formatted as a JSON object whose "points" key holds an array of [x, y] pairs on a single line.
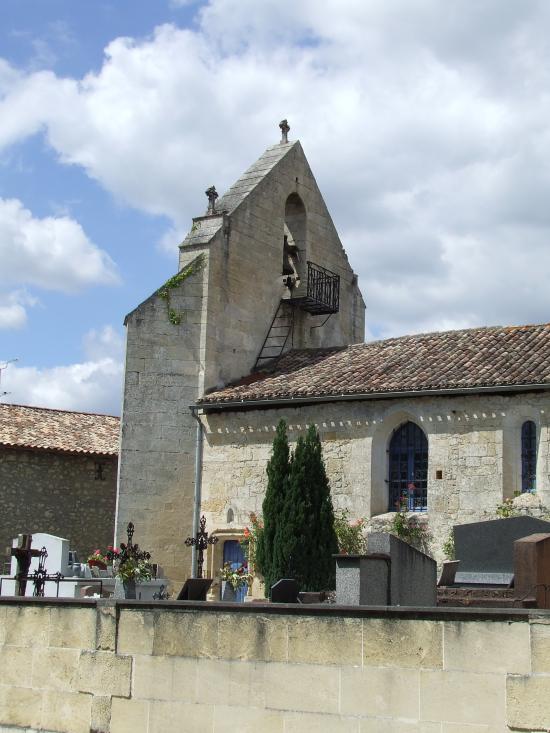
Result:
{"points": [[285, 128], [212, 196]]}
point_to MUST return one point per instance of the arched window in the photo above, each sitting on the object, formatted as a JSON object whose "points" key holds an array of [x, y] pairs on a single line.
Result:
{"points": [[408, 469], [230, 516], [528, 456]]}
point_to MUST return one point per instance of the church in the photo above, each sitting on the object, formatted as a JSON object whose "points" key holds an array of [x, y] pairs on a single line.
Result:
{"points": [[265, 321]]}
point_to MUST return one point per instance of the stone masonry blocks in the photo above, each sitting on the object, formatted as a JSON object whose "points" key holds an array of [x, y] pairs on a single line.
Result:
{"points": [[402, 643], [470, 647], [104, 673], [528, 702], [313, 640]]}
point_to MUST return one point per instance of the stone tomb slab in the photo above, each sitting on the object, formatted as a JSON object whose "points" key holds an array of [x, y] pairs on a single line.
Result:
{"points": [[486, 549]]}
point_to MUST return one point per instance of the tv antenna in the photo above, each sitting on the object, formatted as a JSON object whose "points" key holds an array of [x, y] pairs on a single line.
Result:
{"points": [[5, 365]]}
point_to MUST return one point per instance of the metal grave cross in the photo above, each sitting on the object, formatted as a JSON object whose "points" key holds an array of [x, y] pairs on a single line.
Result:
{"points": [[201, 542], [23, 554]]}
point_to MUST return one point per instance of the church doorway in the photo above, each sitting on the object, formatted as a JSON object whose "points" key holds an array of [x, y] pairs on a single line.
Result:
{"points": [[408, 469]]}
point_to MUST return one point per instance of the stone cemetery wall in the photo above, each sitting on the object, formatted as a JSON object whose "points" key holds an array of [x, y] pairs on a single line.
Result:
{"points": [[77, 667], [66, 495], [474, 459]]}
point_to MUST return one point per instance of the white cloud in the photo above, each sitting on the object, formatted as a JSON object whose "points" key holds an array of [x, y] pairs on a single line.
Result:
{"points": [[93, 385], [107, 343], [427, 125], [13, 312], [52, 253]]}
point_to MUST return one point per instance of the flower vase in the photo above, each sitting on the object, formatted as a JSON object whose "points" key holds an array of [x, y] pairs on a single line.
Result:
{"points": [[119, 588], [124, 588], [228, 592], [129, 589]]}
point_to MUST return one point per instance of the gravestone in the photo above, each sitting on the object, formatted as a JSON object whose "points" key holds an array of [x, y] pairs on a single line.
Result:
{"points": [[413, 573], [393, 573], [195, 589], [22, 554], [449, 570], [363, 580], [532, 569], [486, 549], [57, 562], [285, 591]]}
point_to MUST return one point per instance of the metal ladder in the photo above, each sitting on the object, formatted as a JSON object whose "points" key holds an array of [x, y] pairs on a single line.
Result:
{"points": [[277, 336]]}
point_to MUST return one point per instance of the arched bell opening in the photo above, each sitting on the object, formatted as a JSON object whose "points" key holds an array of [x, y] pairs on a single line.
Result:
{"points": [[294, 242]]}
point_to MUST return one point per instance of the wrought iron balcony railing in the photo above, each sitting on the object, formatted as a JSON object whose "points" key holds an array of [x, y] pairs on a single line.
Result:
{"points": [[322, 292]]}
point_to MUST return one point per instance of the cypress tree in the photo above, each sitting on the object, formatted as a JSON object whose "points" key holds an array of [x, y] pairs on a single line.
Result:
{"points": [[273, 507], [305, 538]]}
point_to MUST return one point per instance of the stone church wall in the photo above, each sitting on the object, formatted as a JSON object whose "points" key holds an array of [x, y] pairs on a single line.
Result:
{"points": [[474, 442], [164, 375], [82, 666], [71, 496]]}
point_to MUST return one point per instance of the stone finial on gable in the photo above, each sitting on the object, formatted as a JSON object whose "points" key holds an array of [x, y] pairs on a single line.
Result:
{"points": [[212, 196], [285, 127]]}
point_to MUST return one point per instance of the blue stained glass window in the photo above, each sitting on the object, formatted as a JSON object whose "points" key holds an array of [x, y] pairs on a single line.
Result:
{"points": [[528, 457], [408, 469]]}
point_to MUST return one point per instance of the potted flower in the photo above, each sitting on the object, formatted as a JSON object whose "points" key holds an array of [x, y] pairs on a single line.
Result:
{"points": [[234, 578], [130, 566], [97, 560]]}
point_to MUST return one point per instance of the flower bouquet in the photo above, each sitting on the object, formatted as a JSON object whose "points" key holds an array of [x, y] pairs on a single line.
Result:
{"points": [[98, 560], [236, 577]]}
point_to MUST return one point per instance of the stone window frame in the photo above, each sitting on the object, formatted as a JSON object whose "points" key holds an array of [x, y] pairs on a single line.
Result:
{"points": [[380, 458], [511, 453]]}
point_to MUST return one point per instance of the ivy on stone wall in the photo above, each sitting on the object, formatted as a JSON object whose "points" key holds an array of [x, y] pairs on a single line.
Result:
{"points": [[175, 281]]}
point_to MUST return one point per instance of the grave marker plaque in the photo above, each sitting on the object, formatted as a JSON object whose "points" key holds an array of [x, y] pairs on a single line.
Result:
{"points": [[486, 549], [285, 591]]}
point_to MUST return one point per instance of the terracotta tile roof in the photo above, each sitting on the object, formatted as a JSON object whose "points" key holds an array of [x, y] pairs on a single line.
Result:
{"points": [[58, 430], [472, 358]]}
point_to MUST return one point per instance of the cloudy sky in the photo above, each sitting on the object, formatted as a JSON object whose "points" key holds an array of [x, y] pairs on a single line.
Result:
{"points": [[426, 123]]}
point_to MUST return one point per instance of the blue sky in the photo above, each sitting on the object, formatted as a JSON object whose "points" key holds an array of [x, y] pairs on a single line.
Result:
{"points": [[425, 123]]}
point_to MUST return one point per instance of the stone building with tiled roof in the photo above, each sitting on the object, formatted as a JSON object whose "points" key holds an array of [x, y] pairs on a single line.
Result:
{"points": [[265, 321], [58, 475]]}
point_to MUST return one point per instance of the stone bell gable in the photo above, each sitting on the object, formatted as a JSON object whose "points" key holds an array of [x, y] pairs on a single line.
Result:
{"points": [[261, 272], [272, 225]]}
